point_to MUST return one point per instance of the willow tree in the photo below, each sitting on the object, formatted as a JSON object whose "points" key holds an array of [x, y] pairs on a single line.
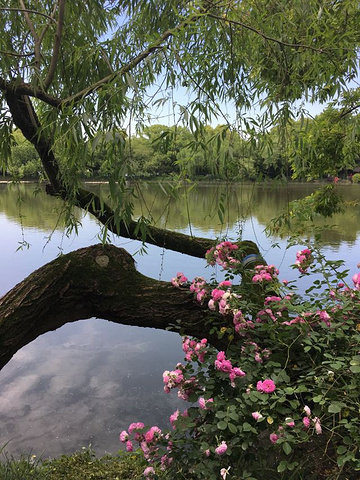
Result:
{"points": [[78, 75]]}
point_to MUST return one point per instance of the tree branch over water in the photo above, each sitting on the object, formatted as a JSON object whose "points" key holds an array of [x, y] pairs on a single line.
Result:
{"points": [[98, 281], [25, 118]]}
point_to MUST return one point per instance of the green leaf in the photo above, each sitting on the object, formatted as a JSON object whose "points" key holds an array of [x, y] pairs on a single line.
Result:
{"points": [[318, 398], [341, 449], [282, 466], [232, 428], [335, 407], [222, 425], [287, 448], [220, 414], [355, 360], [234, 416], [247, 427]]}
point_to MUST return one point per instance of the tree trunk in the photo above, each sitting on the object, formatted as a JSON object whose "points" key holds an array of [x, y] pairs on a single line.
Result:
{"points": [[98, 281]]}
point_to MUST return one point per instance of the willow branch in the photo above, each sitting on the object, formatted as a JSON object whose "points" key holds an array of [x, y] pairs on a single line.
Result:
{"points": [[263, 35], [33, 33], [24, 88], [14, 54], [349, 110], [52, 18], [57, 43], [133, 63], [27, 10]]}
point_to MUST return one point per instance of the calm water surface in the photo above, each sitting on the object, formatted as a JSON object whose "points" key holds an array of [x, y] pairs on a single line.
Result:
{"points": [[85, 382]]}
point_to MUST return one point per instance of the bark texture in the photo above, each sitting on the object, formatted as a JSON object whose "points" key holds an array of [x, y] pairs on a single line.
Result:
{"points": [[98, 281]]}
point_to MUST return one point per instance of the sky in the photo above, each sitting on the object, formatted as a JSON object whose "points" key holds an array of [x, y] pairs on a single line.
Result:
{"points": [[168, 113]]}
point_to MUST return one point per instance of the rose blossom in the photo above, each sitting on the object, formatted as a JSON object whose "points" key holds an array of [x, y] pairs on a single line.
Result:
{"points": [[211, 304], [224, 472], [257, 416], [290, 422], [306, 422], [165, 462], [324, 316], [179, 280], [153, 432], [307, 411], [356, 280], [124, 436], [135, 426], [221, 449], [174, 417], [129, 446], [203, 402], [217, 294], [267, 386], [273, 438], [149, 472], [317, 423]]}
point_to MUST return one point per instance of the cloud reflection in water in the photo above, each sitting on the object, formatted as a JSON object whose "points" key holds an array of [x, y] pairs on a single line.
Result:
{"points": [[83, 384]]}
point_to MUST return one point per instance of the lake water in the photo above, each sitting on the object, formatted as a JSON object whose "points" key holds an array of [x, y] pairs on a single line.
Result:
{"points": [[85, 382]]}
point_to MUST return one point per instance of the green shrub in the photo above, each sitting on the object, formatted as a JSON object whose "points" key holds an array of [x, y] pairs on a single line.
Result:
{"points": [[282, 400]]}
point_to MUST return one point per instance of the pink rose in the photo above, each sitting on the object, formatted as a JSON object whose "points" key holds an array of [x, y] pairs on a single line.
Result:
{"points": [[124, 436], [325, 317], [217, 294], [174, 417], [267, 386], [221, 449], [256, 416], [317, 424], [211, 304], [307, 411], [306, 422], [290, 422], [151, 434], [356, 280], [136, 426], [203, 403], [149, 472], [273, 438]]}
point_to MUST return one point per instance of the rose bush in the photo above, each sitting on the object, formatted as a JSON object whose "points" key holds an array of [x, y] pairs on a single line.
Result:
{"points": [[282, 400]]}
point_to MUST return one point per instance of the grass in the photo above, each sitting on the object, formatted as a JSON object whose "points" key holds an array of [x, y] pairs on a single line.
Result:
{"points": [[80, 466]]}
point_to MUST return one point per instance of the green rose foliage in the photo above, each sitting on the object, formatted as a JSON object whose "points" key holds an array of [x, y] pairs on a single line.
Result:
{"points": [[282, 399]]}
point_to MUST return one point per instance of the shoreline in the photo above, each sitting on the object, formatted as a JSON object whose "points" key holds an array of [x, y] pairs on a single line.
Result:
{"points": [[198, 181]]}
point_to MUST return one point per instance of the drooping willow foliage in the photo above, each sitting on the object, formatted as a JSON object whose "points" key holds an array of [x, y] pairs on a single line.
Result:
{"points": [[94, 72]]}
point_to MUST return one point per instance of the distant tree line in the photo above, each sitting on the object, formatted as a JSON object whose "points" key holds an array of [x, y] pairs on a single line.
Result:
{"points": [[306, 149]]}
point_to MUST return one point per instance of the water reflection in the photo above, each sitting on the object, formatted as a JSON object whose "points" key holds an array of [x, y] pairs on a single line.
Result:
{"points": [[83, 383], [29, 205], [88, 380]]}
